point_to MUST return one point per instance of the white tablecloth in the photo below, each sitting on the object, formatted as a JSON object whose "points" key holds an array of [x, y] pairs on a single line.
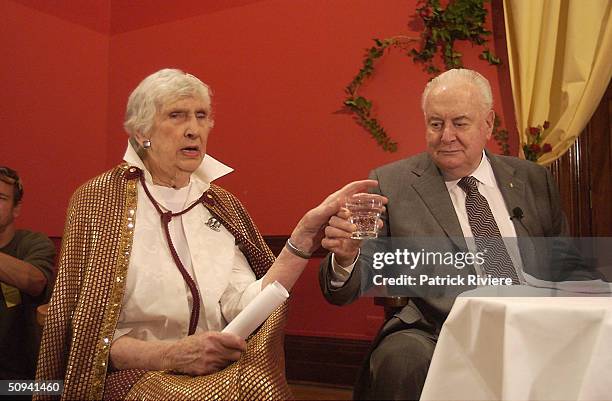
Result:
{"points": [[540, 346]]}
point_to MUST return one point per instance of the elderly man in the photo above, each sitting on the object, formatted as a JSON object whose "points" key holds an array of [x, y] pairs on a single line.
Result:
{"points": [[26, 260], [455, 190]]}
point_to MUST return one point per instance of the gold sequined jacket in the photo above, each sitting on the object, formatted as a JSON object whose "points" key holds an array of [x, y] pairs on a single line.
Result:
{"points": [[86, 302]]}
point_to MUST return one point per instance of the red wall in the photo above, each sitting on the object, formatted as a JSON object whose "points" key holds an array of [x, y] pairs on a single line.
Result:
{"points": [[278, 69], [54, 84]]}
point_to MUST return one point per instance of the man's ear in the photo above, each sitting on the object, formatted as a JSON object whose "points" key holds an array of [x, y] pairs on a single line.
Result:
{"points": [[17, 210], [490, 122]]}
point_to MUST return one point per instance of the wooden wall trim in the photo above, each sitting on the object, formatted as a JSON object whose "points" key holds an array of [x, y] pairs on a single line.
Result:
{"points": [[600, 151], [572, 174], [324, 360], [584, 175]]}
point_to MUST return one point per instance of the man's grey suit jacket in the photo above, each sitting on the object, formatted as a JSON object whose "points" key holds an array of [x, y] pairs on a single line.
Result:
{"points": [[420, 206]]}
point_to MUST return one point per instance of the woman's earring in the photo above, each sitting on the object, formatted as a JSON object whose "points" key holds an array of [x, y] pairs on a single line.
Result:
{"points": [[146, 144]]}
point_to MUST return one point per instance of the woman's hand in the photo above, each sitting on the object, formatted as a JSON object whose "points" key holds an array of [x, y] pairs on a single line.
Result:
{"points": [[199, 354], [311, 229], [203, 353]]}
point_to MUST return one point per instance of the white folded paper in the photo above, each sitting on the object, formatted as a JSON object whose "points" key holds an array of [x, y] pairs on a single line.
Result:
{"points": [[258, 310]]}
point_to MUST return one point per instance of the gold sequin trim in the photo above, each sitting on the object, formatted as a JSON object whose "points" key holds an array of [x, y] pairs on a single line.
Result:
{"points": [[113, 309]]}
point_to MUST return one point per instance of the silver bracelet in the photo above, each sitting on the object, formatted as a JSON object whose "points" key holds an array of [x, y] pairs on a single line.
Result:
{"points": [[297, 252]]}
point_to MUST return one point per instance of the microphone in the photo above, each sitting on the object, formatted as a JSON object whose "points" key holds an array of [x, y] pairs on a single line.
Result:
{"points": [[517, 213]]}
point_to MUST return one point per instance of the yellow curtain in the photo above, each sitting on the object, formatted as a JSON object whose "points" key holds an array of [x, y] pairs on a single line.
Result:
{"points": [[560, 55]]}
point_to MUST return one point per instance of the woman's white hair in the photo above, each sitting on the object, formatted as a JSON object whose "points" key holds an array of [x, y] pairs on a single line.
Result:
{"points": [[160, 88], [464, 75]]}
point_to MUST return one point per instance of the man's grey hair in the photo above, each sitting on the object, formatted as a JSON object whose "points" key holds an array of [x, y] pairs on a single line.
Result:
{"points": [[461, 75], [158, 89]]}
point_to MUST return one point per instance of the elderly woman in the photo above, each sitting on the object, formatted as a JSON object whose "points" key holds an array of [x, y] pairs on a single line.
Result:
{"points": [[156, 259]]}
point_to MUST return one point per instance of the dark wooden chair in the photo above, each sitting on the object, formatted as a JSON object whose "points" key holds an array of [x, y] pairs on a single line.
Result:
{"points": [[391, 305]]}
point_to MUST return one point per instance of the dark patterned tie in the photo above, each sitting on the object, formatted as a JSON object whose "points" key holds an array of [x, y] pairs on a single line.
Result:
{"points": [[497, 262]]}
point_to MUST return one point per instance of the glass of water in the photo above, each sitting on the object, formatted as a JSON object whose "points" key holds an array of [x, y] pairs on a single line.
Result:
{"points": [[365, 211]]}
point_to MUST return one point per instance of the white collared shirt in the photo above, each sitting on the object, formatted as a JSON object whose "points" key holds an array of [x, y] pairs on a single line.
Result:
{"points": [[487, 186], [157, 302]]}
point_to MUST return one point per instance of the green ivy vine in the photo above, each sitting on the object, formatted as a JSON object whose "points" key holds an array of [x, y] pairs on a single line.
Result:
{"points": [[360, 106], [459, 20], [501, 136]]}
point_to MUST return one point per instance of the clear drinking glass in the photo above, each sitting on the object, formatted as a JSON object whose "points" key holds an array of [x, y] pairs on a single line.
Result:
{"points": [[365, 211]]}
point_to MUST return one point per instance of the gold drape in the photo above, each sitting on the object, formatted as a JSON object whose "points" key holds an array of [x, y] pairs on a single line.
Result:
{"points": [[560, 56]]}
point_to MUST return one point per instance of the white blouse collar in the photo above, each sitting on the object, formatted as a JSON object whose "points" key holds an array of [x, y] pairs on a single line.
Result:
{"points": [[209, 170]]}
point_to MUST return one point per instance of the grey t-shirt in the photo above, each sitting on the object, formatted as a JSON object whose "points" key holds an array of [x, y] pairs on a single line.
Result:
{"points": [[19, 332]]}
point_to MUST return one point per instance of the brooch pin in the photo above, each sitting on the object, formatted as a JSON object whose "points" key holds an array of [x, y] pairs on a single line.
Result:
{"points": [[214, 224]]}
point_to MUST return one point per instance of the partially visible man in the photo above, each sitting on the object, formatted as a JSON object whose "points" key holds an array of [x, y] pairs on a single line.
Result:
{"points": [[26, 262], [459, 194]]}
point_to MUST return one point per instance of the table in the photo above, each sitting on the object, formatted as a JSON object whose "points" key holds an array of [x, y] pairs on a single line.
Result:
{"points": [[539, 345]]}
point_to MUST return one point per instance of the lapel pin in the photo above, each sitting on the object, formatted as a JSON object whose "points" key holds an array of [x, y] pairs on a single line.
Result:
{"points": [[214, 224], [511, 185]]}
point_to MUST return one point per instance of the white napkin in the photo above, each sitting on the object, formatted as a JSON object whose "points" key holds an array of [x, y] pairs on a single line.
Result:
{"points": [[258, 310]]}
